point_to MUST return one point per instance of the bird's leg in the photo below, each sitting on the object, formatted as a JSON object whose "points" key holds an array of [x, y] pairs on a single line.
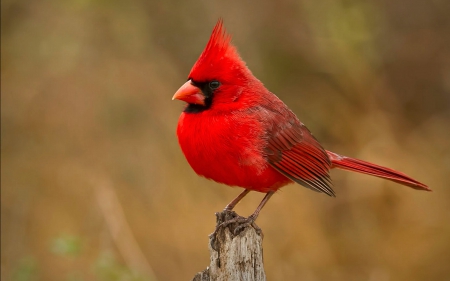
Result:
{"points": [[252, 218], [236, 200], [262, 204], [243, 222], [229, 209]]}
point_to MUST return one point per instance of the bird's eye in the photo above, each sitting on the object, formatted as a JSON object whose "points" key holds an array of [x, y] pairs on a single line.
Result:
{"points": [[214, 84]]}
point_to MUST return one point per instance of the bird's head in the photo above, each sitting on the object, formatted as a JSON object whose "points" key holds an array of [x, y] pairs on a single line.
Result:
{"points": [[218, 76]]}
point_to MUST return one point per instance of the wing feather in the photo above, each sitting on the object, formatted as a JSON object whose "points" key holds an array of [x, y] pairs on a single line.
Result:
{"points": [[293, 151]]}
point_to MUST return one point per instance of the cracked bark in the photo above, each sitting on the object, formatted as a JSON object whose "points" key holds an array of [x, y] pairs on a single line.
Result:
{"points": [[234, 256]]}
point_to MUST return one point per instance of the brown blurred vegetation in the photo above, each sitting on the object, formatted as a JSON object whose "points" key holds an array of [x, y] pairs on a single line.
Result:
{"points": [[86, 91]]}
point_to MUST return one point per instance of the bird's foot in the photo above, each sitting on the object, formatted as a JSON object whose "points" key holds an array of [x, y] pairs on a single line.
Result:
{"points": [[235, 223], [243, 223]]}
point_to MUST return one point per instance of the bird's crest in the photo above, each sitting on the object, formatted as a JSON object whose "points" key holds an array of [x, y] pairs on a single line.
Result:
{"points": [[219, 43], [218, 56]]}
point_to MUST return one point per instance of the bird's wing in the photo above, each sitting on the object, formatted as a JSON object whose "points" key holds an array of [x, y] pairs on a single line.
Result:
{"points": [[294, 152]]}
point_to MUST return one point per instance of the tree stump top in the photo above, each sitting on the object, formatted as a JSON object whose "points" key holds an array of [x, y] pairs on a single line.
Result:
{"points": [[234, 256]]}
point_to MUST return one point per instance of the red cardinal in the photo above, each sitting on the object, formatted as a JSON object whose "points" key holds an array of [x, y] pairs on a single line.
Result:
{"points": [[235, 131]]}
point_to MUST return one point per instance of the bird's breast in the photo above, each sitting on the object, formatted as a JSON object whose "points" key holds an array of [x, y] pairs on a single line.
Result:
{"points": [[229, 149]]}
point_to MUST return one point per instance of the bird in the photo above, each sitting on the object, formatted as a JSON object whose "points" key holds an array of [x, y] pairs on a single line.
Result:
{"points": [[234, 131]]}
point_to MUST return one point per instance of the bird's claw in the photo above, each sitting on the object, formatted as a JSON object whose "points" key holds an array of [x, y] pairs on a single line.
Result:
{"points": [[244, 223], [235, 223]]}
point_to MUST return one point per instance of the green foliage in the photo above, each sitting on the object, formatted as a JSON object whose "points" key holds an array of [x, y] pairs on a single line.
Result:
{"points": [[66, 245], [107, 268], [26, 270]]}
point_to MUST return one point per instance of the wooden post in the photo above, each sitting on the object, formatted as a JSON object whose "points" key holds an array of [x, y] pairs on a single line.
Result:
{"points": [[234, 257]]}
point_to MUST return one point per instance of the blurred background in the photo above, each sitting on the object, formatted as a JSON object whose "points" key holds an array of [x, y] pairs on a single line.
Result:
{"points": [[95, 187]]}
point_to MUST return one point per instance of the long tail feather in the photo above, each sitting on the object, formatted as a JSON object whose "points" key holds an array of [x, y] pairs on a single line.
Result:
{"points": [[359, 166]]}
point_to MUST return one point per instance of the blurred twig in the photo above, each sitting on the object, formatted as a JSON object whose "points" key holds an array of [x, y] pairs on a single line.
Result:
{"points": [[120, 230]]}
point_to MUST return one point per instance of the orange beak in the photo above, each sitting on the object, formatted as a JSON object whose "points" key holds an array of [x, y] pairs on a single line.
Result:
{"points": [[190, 94]]}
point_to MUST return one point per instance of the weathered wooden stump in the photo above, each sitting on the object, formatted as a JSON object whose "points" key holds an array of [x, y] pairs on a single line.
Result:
{"points": [[234, 256]]}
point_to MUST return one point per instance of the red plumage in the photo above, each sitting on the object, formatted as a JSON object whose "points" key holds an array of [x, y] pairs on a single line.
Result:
{"points": [[235, 131]]}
